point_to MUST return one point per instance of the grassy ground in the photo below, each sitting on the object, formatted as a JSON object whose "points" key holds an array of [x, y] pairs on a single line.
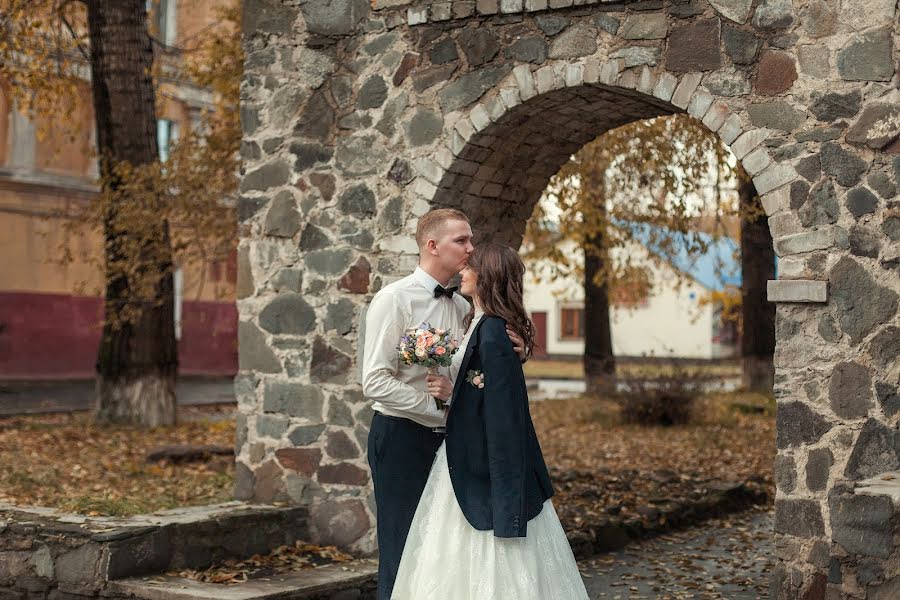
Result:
{"points": [[566, 369]]}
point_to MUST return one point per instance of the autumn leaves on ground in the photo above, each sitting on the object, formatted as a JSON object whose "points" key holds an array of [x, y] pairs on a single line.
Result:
{"points": [[67, 462], [600, 464]]}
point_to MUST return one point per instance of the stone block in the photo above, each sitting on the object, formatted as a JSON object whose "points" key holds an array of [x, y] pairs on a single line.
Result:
{"points": [[800, 517], [79, 566], [776, 73], [470, 87], [735, 10], [340, 523], [694, 47], [774, 14], [809, 241], [545, 79], [867, 57], [552, 24], [633, 56], [818, 466], [268, 16], [525, 82], [876, 451], [700, 103], [685, 89], [756, 161], [487, 7], [665, 87], [773, 177], [741, 46], [776, 115], [609, 73], [288, 313], [797, 290], [727, 83], [798, 425], [417, 15], [293, 399], [144, 554], [748, 141], [861, 302], [861, 524], [254, 353], [731, 129], [785, 474], [647, 81], [644, 26], [578, 40]]}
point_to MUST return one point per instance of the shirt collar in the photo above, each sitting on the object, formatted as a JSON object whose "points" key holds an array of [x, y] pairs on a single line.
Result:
{"points": [[426, 280]]}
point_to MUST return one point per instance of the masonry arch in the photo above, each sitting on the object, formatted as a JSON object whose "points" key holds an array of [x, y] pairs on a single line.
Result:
{"points": [[359, 116], [501, 152]]}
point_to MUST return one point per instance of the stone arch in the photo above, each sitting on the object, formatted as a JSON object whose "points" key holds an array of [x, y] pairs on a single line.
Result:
{"points": [[473, 168], [359, 116]]}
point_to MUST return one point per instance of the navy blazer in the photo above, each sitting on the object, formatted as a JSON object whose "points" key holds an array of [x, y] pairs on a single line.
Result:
{"points": [[496, 466]]}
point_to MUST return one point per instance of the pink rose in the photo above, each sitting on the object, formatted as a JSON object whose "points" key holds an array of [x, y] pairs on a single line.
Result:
{"points": [[440, 350]]}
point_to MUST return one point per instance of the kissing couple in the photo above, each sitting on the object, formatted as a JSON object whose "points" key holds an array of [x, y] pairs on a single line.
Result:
{"points": [[462, 492]]}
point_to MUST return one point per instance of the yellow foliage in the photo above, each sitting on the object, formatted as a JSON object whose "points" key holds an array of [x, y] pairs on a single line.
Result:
{"points": [[647, 173], [44, 61]]}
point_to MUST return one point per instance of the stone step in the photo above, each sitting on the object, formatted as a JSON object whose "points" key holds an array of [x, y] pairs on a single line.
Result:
{"points": [[91, 550], [349, 581]]}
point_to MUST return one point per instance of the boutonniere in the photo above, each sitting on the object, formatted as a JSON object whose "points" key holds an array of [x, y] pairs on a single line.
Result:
{"points": [[476, 378]]}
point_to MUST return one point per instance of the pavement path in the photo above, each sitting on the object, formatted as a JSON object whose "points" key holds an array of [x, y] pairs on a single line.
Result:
{"points": [[728, 557], [26, 398]]}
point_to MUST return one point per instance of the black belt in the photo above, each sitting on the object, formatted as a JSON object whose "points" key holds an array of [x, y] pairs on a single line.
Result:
{"points": [[435, 430]]}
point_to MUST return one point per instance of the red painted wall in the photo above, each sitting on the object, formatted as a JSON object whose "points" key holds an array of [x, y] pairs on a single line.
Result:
{"points": [[55, 336]]}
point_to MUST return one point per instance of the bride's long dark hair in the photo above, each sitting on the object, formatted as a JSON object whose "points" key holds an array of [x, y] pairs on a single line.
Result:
{"points": [[499, 288]]}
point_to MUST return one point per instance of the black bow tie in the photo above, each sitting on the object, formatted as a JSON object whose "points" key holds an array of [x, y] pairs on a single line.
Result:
{"points": [[440, 290]]}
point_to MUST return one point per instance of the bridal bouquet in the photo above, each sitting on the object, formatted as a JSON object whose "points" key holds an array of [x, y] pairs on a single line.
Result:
{"points": [[428, 346]]}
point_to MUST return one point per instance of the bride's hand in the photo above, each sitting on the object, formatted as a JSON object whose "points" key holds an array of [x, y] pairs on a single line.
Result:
{"points": [[439, 387], [518, 344]]}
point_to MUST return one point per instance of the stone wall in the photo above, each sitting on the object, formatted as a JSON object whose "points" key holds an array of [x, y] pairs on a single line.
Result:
{"points": [[359, 117], [45, 553]]}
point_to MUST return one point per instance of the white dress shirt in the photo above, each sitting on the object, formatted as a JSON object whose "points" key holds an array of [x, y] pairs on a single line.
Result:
{"points": [[398, 389]]}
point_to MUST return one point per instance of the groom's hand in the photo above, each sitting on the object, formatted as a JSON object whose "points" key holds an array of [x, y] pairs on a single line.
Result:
{"points": [[439, 387], [518, 344]]}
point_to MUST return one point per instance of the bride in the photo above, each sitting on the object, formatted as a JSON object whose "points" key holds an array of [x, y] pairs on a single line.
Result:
{"points": [[485, 528]]}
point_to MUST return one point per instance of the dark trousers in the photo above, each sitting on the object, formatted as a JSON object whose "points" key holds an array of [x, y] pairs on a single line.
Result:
{"points": [[401, 453]]}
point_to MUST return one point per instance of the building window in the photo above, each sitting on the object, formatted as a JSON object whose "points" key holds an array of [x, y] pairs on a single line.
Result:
{"points": [[162, 18], [571, 323], [178, 281], [166, 134]]}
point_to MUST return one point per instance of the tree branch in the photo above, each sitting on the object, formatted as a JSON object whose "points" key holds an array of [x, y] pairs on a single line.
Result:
{"points": [[61, 13]]}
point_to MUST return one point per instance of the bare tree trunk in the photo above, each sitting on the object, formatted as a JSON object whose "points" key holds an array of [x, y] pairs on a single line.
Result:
{"points": [[137, 362], [599, 361], [758, 314]]}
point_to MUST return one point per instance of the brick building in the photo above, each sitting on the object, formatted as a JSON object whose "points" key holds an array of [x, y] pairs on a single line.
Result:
{"points": [[51, 315]]}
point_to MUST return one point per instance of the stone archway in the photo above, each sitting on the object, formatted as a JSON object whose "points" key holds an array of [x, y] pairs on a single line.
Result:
{"points": [[502, 151], [358, 118]]}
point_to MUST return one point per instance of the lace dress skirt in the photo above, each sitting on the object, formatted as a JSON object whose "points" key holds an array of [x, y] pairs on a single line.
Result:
{"points": [[445, 558]]}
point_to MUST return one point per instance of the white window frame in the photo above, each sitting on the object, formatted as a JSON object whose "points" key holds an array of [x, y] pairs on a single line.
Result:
{"points": [[559, 313], [178, 284]]}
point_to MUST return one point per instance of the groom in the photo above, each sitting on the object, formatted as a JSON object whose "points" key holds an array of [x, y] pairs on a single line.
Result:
{"points": [[407, 427]]}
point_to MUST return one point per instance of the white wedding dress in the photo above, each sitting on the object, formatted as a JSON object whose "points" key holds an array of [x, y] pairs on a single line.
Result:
{"points": [[445, 558]]}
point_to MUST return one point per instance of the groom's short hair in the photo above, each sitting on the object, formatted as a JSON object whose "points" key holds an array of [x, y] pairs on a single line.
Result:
{"points": [[431, 224]]}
